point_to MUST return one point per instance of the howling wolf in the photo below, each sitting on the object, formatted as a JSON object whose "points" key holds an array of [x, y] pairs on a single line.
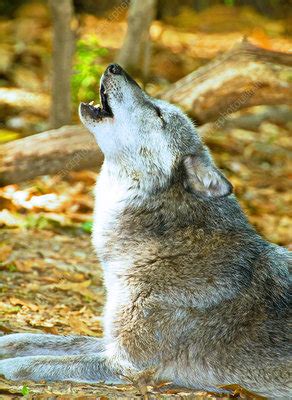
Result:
{"points": [[193, 292]]}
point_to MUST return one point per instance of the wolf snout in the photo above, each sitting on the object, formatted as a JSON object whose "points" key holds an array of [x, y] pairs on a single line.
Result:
{"points": [[114, 69]]}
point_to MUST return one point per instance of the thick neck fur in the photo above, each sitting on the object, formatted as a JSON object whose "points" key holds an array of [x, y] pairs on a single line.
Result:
{"points": [[126, 205], [138, 177]]}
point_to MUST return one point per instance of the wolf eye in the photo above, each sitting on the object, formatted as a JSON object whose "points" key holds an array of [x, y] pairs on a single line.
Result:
{"points": [[159, 114]]}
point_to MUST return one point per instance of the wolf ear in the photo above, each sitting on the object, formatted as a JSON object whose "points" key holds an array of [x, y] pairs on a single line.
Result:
{"points": [[202, 177]]}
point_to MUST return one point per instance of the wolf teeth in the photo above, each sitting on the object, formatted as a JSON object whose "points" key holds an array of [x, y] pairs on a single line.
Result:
{"points": [[94, 105]]}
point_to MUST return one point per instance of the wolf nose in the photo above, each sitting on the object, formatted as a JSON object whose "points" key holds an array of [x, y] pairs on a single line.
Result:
{"points": [[115, 69]]}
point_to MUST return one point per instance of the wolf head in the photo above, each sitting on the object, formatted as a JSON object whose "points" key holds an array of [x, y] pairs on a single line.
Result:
{"points": [[149, 140]]}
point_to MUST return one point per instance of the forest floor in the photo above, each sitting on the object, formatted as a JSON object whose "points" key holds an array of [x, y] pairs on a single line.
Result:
{"points": [[50, 278]]}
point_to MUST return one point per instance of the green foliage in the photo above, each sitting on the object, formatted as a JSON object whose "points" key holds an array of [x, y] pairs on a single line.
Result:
{"points": [[35, 221], [87, 226], [229, 2], [24, 390], [87, 71], [11, 268], [10, 310]]}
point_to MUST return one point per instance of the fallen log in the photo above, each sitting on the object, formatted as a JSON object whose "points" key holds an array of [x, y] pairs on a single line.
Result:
{"points": [[57, 151], [250, 120], [22, 100], [243, 77]]}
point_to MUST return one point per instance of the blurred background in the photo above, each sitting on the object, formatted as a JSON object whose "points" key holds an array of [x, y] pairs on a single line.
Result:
{"points": [[227, 63]]}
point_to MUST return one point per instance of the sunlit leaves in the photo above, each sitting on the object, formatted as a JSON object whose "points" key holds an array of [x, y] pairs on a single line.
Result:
{"points": [[87, 70], [229, 2], [25, 390], [87, 226]]}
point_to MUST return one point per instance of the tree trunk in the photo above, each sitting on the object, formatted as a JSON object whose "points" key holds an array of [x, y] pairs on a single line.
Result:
{"points": [[136, 44], [243, 77], [63, 44]]}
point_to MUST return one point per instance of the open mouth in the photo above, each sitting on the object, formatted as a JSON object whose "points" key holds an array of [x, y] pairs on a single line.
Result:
{"points": [[99, 111]]}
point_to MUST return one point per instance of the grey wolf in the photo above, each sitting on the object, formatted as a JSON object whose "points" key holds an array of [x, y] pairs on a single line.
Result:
{"points": [[193, 291]]}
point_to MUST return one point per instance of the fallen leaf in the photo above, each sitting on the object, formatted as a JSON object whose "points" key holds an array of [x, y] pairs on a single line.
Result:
{"points": [[5, 251], [16, 302]]}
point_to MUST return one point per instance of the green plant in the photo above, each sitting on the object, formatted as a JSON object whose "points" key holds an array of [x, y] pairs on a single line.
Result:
{"points": [[86, 71], [87, 226], [229, 2], [37, 221], [11, 268], [24, 390]]}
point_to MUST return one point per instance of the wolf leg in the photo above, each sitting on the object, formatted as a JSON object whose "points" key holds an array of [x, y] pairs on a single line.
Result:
{"points": [[76, 368], [31, 344]]}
